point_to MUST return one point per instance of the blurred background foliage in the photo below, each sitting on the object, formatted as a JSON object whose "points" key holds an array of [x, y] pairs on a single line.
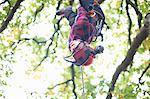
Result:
{"points": [[32, 51]]}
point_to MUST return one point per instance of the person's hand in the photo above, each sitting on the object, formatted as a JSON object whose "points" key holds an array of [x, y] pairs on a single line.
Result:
{"points": [[99, 49]]}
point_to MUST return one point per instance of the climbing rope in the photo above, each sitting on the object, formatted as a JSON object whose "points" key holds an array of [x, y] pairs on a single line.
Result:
{"points": [[82, 78]]}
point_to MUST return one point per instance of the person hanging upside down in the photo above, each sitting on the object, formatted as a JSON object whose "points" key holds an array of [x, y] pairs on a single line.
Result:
{"points": [[83, 31]]}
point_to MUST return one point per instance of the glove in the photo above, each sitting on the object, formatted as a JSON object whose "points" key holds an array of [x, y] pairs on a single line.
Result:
{"points": [[99, 49]]}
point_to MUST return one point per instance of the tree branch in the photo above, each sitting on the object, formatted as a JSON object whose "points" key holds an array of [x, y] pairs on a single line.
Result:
{"points": [[67, 81], [141, 83], [57, 28], [130, 22], [3, 2], [144, 32], [73, 81], [138, 13], [10, 16], [47, 50], [59, 3], [143, 73], [38, 10]]}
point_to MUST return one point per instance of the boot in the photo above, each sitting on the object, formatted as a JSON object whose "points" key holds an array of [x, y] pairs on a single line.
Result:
{"points": [[87, 4], [64, 12], [67, 13]]}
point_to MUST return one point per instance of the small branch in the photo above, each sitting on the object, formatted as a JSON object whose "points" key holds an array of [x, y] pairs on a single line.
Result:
{"points": [[10, 16], [57, 28], [59, 3], [46, 54], [15, 44], [65, 82], [141, 83], [73, 81], [47, 50], [144, 32], [138, 13], [38, 10], [130, 22], [148, 92], [3, 2], [27, 39], [143, 73]]}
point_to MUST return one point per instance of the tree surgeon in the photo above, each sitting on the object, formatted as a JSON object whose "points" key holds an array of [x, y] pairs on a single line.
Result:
{"points": [[86, 25]]}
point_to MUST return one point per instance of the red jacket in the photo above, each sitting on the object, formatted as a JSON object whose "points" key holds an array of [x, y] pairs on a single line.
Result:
{"points": [[82, 29]]}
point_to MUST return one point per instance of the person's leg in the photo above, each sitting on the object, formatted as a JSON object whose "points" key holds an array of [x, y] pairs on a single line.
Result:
{"points": [[68, 13], [87, 4]]}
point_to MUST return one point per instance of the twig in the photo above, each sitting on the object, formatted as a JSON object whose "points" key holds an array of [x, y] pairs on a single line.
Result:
{"points": [[38, 10], [141, 83], [47, 51], [143, 73], [65, 82]]}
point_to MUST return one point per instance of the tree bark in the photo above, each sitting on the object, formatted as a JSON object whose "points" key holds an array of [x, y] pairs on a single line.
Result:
{"points": [[143, 34]]}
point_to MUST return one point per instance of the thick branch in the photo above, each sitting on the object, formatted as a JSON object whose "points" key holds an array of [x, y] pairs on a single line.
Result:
{"points": [[10, 16], [145, 31]]}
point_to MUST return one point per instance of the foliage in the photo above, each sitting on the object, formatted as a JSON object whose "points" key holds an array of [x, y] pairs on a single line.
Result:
{"points": [[34, 43]]}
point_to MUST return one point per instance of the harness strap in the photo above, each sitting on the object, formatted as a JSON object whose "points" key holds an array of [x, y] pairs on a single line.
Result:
{"points": [[76, 18]]}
